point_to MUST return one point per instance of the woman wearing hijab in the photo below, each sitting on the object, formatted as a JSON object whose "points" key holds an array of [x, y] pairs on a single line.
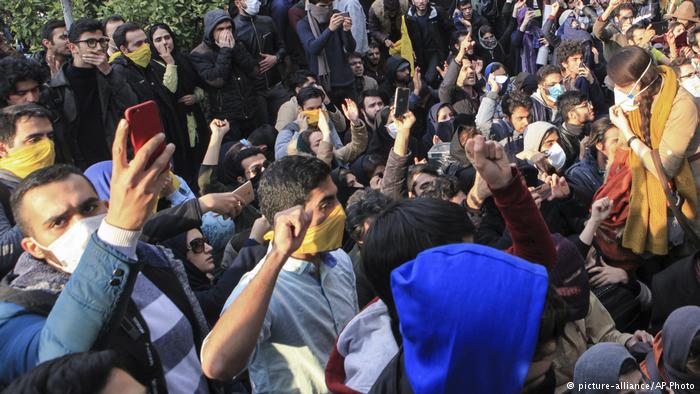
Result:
{"points": [[491, 49], [654, 114], [676, 354], [526, 41], [606, 364], [180, 77]]}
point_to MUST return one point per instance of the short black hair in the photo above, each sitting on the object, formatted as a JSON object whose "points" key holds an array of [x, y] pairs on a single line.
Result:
{"points": [[444, 187], [288, 182], [547, 70], [692, 39], [86, 372], [49, 27], [513, 100], [372, 93], [120, 34], [629, 34], [374, 44], [403, 230], [367, 206], [237, 162], [598, 130], [83, 25], [567, 49], [355, 55], [626, 6], [38, 178], [568, 100], [109, 19], [308, 93], [9, 116], [18, 69], [299, 78]]}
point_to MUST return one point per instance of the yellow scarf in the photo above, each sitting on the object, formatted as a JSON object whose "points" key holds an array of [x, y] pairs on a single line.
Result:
{"points": [[141, 56], [29, 158], [325, 237], [312, 116], [114, 56], [646, 226]]}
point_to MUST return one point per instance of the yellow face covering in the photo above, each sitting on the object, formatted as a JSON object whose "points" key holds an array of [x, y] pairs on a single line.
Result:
{"points": [[311, 116], [141, 56], [325, 237], [29, 158]]}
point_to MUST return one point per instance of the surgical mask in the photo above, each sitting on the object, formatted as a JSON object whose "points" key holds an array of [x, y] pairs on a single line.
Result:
{"points": [[312, 116], [555, 91], [393, 130], [500, 79], [692, 85], [29, 158], [69, 247], [252, 7], [626, 100], [325, 237], [556, 156], [141, 56]]}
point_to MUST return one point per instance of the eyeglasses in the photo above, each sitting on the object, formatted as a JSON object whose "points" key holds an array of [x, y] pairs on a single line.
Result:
{"points": [[92, 42], [197, 245]]}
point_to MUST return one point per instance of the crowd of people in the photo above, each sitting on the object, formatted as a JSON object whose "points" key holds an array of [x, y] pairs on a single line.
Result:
{"points": [[492, 196]]}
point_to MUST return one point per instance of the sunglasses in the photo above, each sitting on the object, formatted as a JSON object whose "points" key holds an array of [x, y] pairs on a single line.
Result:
{"points": [[197, 245]]}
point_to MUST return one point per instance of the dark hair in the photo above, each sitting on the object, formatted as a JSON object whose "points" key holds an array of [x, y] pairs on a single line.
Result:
{"points": [[629, 34], [49, 27], [598, 130], [554, 318], [626, 7], [462, 3], [120, 34], [83, 25], [86, 372], [38, 178], [403, 230], [567, 49], [9, 116], [152, 31], [355, 55], [299, 78], [369, 205], [417, 169], [545, 71], [237, 162], [373, 43], [288, 181], [568, 100], [371, 93], [308, 93], [514, 100], [18, 69], [626, 67], [692, 39], [111, 18], [443, 187]]}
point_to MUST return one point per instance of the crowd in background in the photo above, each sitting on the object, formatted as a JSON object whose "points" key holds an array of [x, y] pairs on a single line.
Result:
{"points": [[448, 196]]}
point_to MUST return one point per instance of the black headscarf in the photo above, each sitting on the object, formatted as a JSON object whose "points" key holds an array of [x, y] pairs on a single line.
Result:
{"points": [[678, 333], [198, 279], [187, 77]]}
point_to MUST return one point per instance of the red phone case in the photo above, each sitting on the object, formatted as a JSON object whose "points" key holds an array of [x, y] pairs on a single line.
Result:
{"points": [[144, 124]]}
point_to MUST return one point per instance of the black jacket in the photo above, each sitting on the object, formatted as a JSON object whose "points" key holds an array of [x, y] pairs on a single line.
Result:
{"points": [[115, 97], [258, 34], [439, 33], [228, 73], [674, 287]]}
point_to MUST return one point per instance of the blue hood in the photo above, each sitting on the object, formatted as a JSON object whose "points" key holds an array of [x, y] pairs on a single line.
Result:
{"points": [[469, 317]]}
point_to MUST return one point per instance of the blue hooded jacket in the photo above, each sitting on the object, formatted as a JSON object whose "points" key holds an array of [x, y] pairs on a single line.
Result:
{"points": [[469, 316]]}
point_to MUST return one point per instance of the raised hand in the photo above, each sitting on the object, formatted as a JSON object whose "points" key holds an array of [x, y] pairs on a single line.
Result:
{"points": [[600, 210], [290, 229], [135, 185], [490, 161], [323, 125], [495, 86], [442, 71], [165, 52], [350, 110], [347, 23], [417, 81], [219, 128], [560, 188], [555, 8], [336, 21], [302, 121], [225, 204]]}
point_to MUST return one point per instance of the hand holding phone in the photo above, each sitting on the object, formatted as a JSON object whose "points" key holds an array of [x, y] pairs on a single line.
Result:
{"points": [[401, 101], [245, 193], [144, 124]]}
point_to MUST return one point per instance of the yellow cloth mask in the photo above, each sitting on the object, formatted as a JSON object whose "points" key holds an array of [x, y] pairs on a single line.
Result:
{"points": [[311, 116], [29, 158], [141, 56], [325, 237]]}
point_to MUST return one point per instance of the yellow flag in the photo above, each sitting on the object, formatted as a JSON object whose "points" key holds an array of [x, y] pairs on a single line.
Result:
{"points": [[403, 47]]}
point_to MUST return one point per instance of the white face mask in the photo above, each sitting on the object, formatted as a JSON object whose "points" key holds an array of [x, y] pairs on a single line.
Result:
{"points": [[500, 79], [252, 7], [626, 100], [69, 247], [556, 156], [391, 127], [692, 85]]}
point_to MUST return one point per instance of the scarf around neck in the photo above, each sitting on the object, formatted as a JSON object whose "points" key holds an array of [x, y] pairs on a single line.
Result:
{"points": [[316, 15], [646, 226]]}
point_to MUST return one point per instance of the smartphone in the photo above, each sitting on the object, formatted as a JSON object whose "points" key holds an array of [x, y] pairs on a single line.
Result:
{"points": [[345, 14], [144, 124], [245, 193], [544, 191], [401, 101], [538, 12]]}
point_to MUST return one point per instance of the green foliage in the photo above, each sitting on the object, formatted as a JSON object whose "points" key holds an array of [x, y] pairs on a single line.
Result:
{"points": [[26, 17]]}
